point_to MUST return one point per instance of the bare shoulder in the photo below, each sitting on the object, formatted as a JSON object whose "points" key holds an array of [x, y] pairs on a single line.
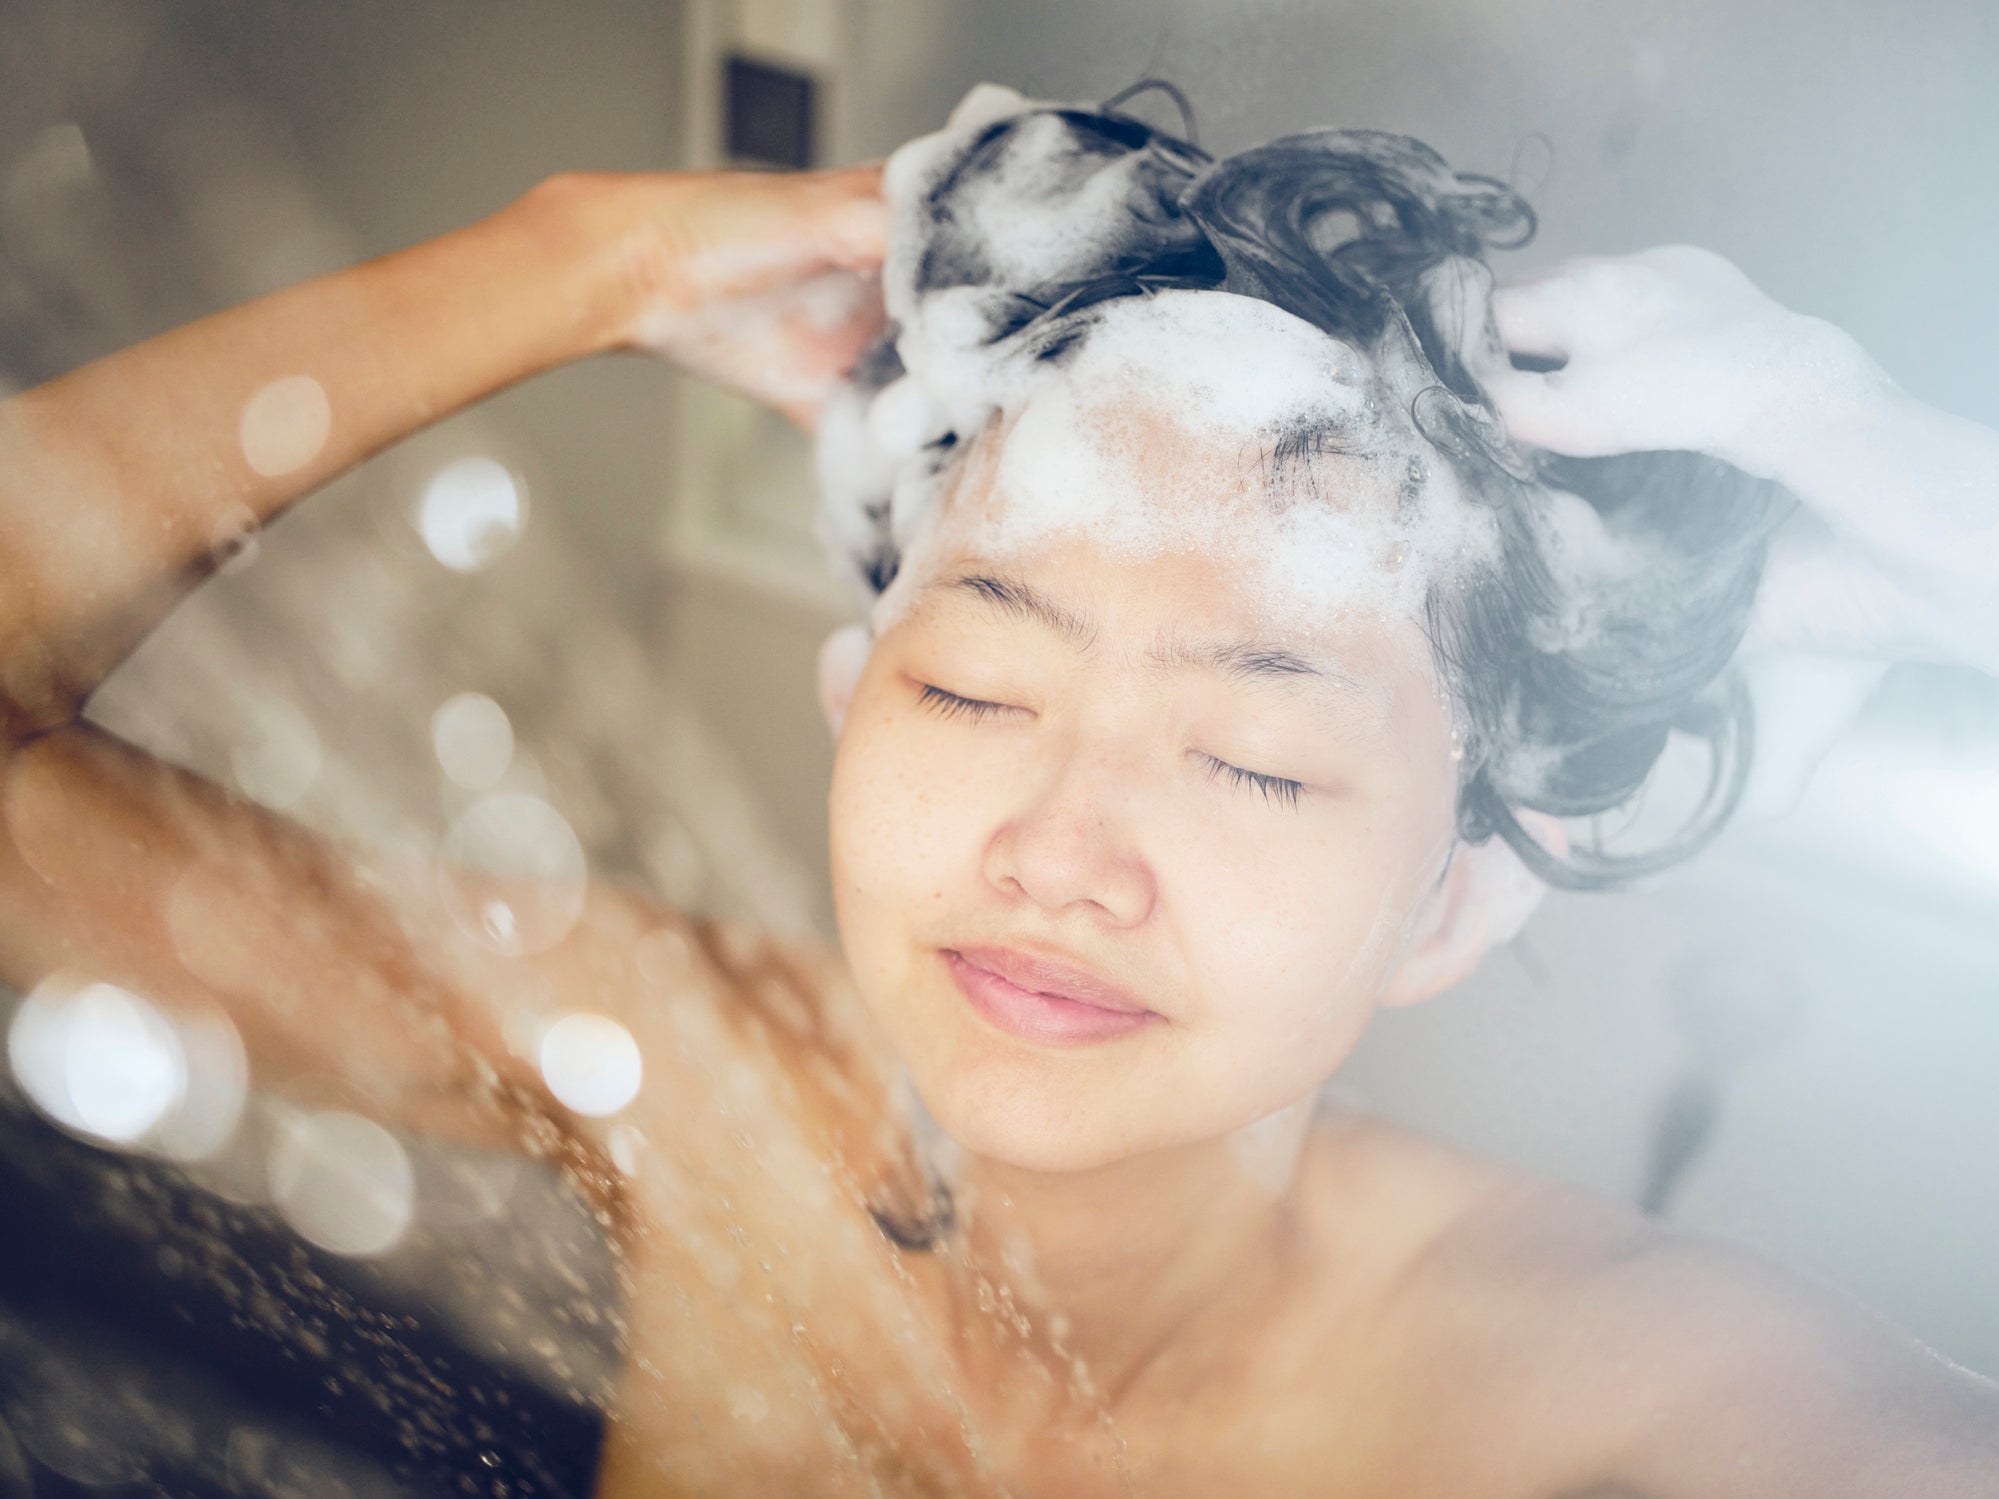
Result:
{"points": [[1610, 1353]]}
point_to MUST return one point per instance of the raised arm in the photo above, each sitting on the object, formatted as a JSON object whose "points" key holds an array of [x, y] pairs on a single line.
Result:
{"points": [[119, 483], [1897, 553]]}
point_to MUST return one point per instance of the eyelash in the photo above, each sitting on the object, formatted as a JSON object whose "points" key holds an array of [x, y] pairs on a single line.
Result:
{"points": [[1275, 789], [952, 706]]}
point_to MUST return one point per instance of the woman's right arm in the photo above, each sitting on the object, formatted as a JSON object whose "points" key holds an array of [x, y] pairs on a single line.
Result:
{"points": [[120, 482]]}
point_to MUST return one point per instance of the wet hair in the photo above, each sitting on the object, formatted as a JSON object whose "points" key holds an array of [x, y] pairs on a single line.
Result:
{"points": [[1569, 673]]}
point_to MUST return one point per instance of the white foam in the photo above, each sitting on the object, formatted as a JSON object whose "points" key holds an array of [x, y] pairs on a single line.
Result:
{"points": [[1181, 417]]}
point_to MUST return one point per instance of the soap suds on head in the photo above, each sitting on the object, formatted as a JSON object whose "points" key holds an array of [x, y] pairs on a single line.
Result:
{"points": [[1173, 428], [994, 217]]}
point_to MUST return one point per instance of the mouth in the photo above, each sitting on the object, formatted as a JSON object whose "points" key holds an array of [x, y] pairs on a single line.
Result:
{"points": [[1039, 1000]]}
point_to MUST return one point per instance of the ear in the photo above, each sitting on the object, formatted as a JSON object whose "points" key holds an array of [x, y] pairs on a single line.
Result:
{"points": [[841, 657], [1484, 899]]}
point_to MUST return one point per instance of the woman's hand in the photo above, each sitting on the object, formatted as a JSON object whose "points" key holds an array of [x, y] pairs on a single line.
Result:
{"points": [[1895, 554], [761, 281], [1670, 348]]}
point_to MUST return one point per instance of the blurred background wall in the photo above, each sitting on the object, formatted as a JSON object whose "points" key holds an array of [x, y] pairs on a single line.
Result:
{"points": [[1824, 987]]}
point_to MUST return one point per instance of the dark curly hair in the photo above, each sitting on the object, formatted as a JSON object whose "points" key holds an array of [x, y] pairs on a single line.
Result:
{"points": [[1569, 681]]}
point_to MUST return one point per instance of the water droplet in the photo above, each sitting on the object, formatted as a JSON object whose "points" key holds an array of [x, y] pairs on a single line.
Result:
{"points": [[235, 542], [497, 921]]}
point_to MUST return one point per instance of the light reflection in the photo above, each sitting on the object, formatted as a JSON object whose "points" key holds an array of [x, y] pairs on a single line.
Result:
{"points": [[473, 740], [471, 513], [343, 1182], [591, 1064], [513, 873], [96, 1059]]}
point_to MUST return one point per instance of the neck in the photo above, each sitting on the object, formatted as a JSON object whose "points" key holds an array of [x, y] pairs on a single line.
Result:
{"points": [[1126, 1266]]}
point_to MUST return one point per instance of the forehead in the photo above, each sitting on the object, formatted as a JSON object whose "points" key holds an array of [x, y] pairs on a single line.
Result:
{"points": [[1204, 423]]}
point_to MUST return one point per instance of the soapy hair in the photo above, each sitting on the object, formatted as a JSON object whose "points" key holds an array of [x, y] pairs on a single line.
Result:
{"points": [[1602, 622]]}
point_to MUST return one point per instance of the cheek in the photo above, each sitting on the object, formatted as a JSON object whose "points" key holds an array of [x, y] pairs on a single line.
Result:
{"points": [[902, 824], [1297, 934]]}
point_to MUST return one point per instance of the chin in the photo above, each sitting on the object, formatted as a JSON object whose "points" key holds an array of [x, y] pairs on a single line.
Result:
{"points": [[1039, 1110], [1025, 1131]]}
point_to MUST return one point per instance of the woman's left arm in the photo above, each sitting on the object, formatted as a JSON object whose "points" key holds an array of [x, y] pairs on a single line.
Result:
{"points": [[1896, 555]]}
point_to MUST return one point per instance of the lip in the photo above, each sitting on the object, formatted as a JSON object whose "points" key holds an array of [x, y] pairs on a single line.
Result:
{"points": [[1039, 999]]}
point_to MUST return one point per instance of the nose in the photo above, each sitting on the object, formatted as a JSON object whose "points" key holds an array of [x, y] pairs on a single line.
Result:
{"points": [[1068, 845]]}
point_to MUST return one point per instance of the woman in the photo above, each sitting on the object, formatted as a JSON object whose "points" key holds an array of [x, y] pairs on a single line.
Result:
{"points": [[1171, 753]]}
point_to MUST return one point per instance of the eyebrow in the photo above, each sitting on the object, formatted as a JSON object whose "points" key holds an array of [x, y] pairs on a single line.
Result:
{"points": [[1022, 602], [1241, 660]]}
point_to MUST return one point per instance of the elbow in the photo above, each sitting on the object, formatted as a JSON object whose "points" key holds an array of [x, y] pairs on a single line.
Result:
{"points": [[35, 696]]}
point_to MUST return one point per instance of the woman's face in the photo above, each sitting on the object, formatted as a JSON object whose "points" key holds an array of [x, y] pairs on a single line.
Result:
{"points": [[1145, 767]]}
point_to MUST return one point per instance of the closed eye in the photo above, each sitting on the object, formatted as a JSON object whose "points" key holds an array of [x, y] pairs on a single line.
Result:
{"points": [[1274, 788], [950, 705]]}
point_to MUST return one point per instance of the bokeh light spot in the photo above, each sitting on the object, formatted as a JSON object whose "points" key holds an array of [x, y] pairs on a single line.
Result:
{"points": [[96, 1059], [343, 1182], [471, 513], [473, 740], [591, 1064], [513, 873]]}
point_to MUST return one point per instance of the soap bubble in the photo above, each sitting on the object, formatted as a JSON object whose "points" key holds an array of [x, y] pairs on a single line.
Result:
{"points": [[473, 740], [513, 873], [343, 1182], [471, 512], [96, 1059], [591, 1064]]}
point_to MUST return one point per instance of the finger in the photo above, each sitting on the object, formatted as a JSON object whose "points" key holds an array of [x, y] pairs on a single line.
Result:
{"points": [[855, 234], [1533, 317], [851, 221], [1547, 411]]}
